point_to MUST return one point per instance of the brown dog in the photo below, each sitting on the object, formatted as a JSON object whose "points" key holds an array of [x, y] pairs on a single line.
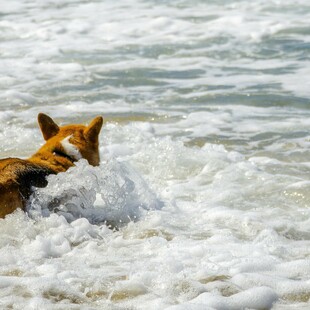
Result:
{"points": [[64, 146]]}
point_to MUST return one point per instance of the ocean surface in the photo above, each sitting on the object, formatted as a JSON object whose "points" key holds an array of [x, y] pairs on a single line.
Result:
{"points": [[201, 200]]}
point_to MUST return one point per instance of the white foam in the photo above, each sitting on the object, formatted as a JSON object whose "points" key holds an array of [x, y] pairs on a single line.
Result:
{"points": [[112, 193], [203, 231], [258, 298]]}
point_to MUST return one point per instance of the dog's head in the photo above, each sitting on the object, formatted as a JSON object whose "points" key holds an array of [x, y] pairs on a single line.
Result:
{"points": [[74, 141]]}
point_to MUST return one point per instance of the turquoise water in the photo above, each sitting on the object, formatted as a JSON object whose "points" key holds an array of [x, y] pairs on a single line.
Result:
{"points": [[206, 108]]}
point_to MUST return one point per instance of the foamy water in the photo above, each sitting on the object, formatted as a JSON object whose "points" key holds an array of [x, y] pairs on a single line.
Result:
{"points": [[202, 198]]}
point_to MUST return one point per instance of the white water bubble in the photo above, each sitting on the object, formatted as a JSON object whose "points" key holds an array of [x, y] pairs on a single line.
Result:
{"points": [[114, 193]]}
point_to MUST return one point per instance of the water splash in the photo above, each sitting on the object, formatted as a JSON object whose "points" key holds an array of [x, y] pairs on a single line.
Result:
{"points": [[113, 193]]}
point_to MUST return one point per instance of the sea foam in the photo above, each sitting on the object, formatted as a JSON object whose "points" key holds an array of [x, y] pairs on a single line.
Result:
{"points": [[112, 193]]}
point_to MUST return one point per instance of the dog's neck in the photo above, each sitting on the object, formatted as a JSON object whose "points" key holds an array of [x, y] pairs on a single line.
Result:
{"points": [[59, 153], [55, 160]]}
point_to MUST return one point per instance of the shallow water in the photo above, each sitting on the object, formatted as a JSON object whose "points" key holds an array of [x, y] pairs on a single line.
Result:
{"points": [[202, 197]]}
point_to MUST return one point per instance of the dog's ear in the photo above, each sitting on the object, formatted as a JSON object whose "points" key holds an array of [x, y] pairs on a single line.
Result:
{"points": [[48, 127], [92, 131]]}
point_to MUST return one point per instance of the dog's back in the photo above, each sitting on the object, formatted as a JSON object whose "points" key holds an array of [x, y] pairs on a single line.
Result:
{"points": [[17, 176]]}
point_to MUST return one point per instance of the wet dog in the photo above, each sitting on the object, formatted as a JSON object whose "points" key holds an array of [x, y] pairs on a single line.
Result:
{"points": [[64, 146]]}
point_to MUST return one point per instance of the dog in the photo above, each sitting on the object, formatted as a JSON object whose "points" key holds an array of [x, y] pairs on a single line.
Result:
{"points": [[63, 147]]}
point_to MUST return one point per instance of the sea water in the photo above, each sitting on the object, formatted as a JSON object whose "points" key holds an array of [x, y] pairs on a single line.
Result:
{"points": [[201, 200]]}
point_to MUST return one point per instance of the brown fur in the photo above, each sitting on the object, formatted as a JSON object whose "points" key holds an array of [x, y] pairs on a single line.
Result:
{"points": [[18, 176]]}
